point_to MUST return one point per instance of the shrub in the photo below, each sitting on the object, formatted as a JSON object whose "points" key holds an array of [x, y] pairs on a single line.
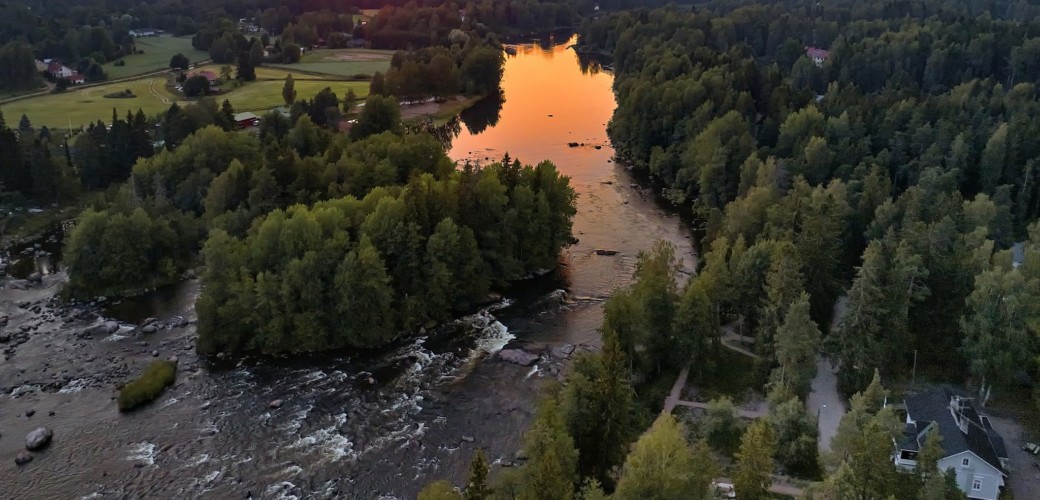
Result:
{"points": [[148, 386]]}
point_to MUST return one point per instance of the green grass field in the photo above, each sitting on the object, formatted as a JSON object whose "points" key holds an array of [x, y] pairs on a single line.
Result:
{"points": [[342, 62], [83, 106], [264, 95], [87, 105], [271, 73], [157, 53]]}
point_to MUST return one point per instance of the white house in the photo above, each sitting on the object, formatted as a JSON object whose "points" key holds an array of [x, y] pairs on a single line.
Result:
{"points": [[972, 447]]}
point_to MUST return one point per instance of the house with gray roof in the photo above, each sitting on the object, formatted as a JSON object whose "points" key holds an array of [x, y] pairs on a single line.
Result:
{"points": [[972, 448]]}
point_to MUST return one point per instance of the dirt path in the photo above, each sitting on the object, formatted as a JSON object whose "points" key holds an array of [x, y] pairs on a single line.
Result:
{"points": [[151, 90], [674, 400], [780, 486]]}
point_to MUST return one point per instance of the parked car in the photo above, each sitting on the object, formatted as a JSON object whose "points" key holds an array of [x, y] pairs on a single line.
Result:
{"points": [[723, 490]]}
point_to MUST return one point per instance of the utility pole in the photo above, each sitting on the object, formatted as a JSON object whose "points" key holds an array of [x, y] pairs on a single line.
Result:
{"points": [[913, 373]]}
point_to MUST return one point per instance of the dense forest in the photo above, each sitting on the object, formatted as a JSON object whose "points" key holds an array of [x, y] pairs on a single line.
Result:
{"points": [[895, 178]]}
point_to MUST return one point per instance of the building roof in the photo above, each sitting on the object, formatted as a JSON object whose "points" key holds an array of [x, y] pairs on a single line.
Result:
{"points": [[211, 76], [241, 117], [934, 406], [814, 53]]}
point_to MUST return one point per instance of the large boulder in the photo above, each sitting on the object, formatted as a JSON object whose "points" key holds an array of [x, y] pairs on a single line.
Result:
{"points": [[35, 278], [38, 439], [517, 356], [110, 327]]}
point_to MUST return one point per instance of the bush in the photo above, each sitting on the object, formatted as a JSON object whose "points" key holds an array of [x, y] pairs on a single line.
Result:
{"points": [[147, 387]]}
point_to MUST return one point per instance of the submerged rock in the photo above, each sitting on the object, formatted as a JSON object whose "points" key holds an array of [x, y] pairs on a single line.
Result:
{"points": [[38, 438], [468, 439], [277, 403], [606, 252], [517, 356], [35, 278], [22, 458]]}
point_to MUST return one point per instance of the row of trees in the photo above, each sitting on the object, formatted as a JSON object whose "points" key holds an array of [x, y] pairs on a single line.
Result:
{"points": [[474, 68], [32, 167]]}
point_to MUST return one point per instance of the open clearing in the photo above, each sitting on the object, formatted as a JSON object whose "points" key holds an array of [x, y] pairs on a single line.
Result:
{"points": [[157, 53], [268, 73], [90, 104], [265, 95], [342, 62]]}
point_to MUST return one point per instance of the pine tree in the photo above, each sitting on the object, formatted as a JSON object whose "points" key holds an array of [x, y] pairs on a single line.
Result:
{"points": [[930, 454], [795, 345], [289, 90], [552, 461], [477, 489], [754, 473], [599, 404]]}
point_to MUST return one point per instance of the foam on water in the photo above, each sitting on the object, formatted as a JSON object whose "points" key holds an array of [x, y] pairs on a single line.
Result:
{"points": [[75, 386], [330, 442], [169, 402], [281, 491], [24, 389], [143, 452], [197, 460], [296, 420]]}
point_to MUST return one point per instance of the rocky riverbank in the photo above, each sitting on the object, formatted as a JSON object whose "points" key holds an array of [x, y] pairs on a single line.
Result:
{"points": [[52, 350]]}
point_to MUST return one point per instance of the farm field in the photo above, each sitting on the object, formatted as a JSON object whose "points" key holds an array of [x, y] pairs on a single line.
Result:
{"points": [[87, 105], [342, 62], [82, 106], [157, 53], [264, 95], [270, 73]]}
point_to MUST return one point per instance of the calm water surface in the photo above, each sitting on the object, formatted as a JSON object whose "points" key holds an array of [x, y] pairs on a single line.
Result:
{"points": [[378, 425]]}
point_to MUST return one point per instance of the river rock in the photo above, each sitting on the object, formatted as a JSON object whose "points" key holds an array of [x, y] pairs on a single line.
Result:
{"points": [[155, 354], [563, 352], [517, 356], [149, 329], [149, 321], [468, 439], [277, 403], [606, 252], [110, 327], [5, 337], [22, 458], [35, 278], [29, 413], [38, 438]]}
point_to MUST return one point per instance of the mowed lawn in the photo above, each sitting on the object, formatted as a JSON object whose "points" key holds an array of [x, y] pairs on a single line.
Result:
{"points": [[157, 53], [343, 62], [88, 105], [265, 95], [268, 73]]}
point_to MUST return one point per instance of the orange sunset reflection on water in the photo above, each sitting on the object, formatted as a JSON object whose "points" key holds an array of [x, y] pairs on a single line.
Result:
{"points": [[549, 102]]}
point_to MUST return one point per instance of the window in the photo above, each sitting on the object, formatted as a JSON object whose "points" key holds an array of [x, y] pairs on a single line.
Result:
{"points": [[965, 462], [976, 485]]}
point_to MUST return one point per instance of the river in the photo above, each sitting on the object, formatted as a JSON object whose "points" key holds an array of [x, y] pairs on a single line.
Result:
{"points": [[371, 426]]}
